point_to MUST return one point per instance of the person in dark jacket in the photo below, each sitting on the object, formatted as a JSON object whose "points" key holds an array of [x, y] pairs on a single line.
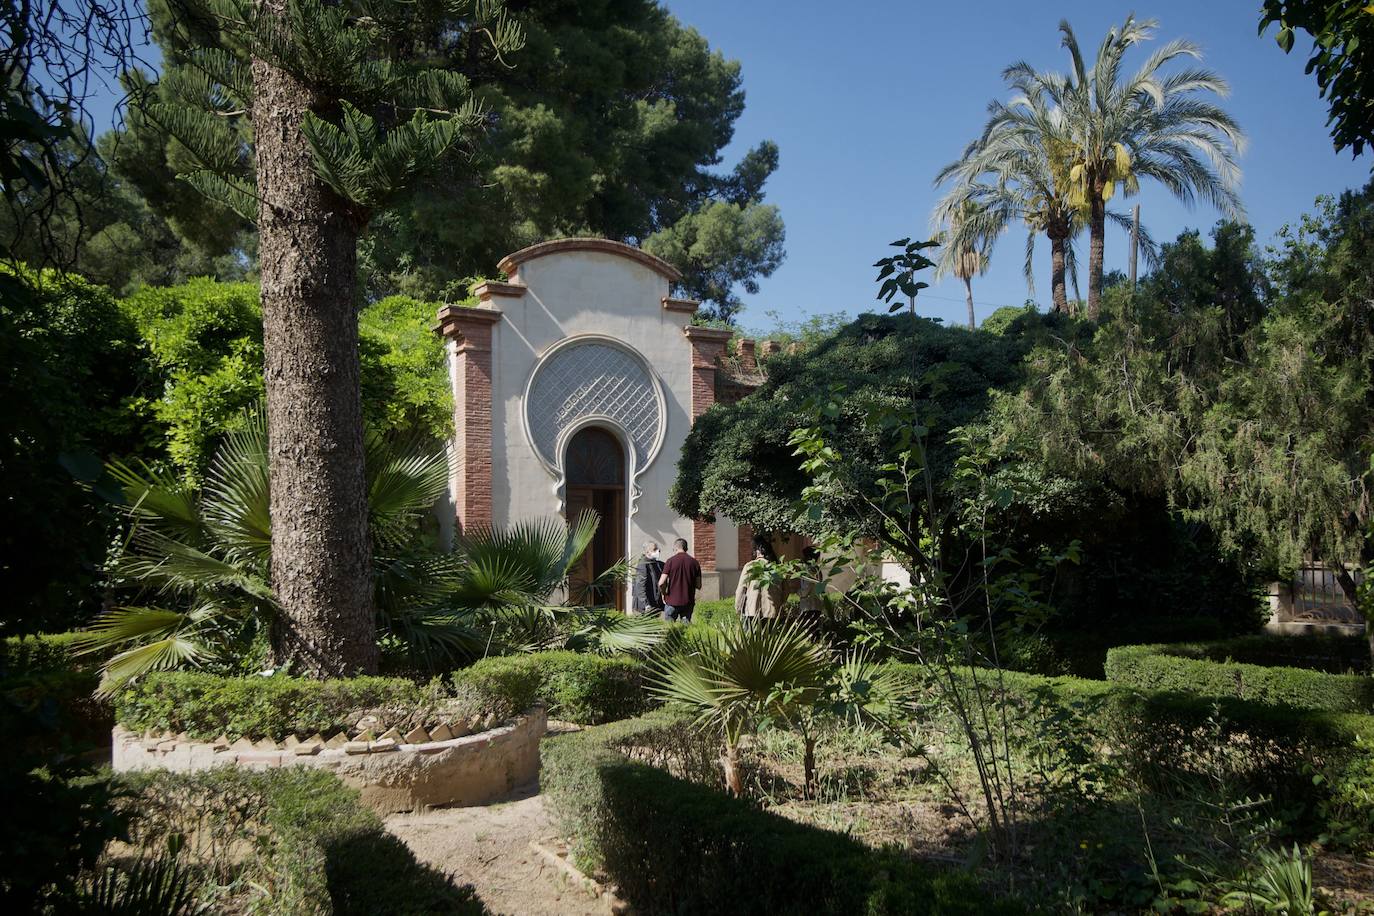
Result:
{"points": [[645, 598]]}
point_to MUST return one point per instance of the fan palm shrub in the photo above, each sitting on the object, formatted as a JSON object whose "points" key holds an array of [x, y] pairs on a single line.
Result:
{"points": [[199, 560], [736, 676]]}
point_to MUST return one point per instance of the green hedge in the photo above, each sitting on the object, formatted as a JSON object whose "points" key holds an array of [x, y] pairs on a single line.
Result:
{"points": [[1331, 654], [48, 692], [1170, 741], [579, 687], [315, 849], [672, 845], [583, 688], [1190, 668], [1084, 653], [205, 706], [42, 654]]}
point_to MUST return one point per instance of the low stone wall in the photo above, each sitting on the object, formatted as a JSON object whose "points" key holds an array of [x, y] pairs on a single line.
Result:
{"points": [[394, 772]]}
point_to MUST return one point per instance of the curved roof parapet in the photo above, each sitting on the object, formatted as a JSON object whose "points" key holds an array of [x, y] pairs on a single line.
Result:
{"points": [[512, 261]]}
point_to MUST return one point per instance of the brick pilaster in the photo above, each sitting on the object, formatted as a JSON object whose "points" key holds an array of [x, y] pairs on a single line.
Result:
{"points": [[746, 544], [468, 333], [708, 345], [744, 352]]}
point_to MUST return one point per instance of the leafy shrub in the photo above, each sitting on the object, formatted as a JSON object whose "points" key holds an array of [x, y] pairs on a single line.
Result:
{"points": [[1083, 653], [1189, 668], [205, 706], [674, 845], [1347, 811], [72, 393], [67, 820], [579, 687], [318, 851], [584, 688]]}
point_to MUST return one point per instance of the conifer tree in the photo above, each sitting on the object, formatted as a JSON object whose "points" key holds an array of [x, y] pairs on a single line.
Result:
{"points": [[343, 113]]}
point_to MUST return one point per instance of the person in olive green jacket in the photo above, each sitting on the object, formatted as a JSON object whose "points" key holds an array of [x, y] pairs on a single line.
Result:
{"points": [[755, 597]]}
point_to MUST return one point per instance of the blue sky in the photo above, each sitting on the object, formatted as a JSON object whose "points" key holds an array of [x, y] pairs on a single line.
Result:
{"points": [[868, 100]]}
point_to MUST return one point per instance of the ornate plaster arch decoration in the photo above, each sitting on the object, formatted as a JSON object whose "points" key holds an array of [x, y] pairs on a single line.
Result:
{"points": [[594, 380]]}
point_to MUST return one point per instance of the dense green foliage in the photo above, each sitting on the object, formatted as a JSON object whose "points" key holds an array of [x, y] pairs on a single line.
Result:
{"points": [[317, 850], [74, 392], [739, 455], [579, 687], [204, 341], [609, 122], [1240, 387], [1166, 739], [1195, 669], [674, 845], [158, 377], [195, 566]]}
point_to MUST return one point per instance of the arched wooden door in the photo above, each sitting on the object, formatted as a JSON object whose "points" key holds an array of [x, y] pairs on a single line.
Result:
{"points": [[595, 465]]}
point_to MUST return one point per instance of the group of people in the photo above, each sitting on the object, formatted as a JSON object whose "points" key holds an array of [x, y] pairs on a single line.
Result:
{"points": [[669, 587]]}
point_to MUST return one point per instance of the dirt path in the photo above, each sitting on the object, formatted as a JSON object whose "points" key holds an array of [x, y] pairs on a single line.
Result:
{"points": [[488, 847]]}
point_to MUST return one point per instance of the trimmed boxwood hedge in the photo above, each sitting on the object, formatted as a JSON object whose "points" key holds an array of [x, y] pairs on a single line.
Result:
{"points": [[205, 706], [317, 850], [1165, 740], [676, 846], [1331, 654], [576, 686], [1202, 669], [42, 653], [583, 688]]}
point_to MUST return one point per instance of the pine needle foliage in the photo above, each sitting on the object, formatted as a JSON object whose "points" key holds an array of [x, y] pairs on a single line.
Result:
{"points": [[383, 112]]}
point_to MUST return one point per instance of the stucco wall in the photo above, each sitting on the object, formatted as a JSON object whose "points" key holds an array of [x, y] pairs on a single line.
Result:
{"points": [[575, 293]]}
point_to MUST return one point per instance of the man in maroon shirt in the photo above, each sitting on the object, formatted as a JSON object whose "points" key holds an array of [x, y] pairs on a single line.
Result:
{"points": [[679, 583]]}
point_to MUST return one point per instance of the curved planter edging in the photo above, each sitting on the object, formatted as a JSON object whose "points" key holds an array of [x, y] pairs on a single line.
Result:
{"points": [[392, 775]]}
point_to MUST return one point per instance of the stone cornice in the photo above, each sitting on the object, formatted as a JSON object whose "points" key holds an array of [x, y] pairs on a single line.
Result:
{"points": [[453, 318], [511, 262], [696, 332], [689, 306], [490, 289]]}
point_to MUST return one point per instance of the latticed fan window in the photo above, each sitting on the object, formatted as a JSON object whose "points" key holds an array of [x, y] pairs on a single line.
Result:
{"points": [[595, 459]]}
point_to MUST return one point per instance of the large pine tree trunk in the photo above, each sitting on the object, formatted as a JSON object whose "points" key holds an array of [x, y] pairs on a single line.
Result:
{"points": [[1097, 230], [968, 297], [321, 555], [1057, 268]]}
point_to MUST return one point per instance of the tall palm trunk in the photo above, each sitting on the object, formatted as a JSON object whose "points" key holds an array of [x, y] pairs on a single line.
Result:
{"points": [[1057, 268], [968, 297], [1097, 229], [321, 557]]}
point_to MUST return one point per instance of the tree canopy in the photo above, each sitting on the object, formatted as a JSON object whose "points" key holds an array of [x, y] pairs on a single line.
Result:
{"points": [[1343, 36], [1239, 386], [609, 122]]}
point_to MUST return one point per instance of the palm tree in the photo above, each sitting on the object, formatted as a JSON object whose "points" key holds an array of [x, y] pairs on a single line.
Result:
{"points": [[1016, 171], [964, 254], [1147, 125]]}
